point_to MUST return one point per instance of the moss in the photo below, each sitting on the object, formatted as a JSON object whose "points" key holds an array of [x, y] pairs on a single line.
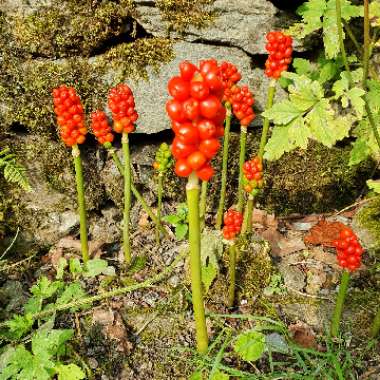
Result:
{"points": [[25, 87], [367, 224], [69, 28], [180, 14]]}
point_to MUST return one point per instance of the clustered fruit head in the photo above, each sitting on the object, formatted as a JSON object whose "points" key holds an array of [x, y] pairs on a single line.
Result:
{"points": [[232, 224], [253, 176], [70, 116], [163, 160], [197, 117], [280, 51], [230, 76], [241, 99], [122, 106], [101, 128], [349, 250]]}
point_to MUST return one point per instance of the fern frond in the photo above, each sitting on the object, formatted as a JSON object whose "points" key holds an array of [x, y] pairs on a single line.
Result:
{"points": [[13, 171]]}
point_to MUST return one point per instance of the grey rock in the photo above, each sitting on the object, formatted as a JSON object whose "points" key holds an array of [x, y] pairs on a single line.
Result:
{"points": [[152, 94], [294, 278], [239, 23]]}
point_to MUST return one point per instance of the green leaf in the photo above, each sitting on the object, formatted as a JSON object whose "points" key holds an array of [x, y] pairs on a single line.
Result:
{"points": [[45, 288], [72, 292], [69, 372], [373, 95], [360, 152], [283, 112], [374, 13], [209, 273], [374, 185], [302, 66], [173, 219], [311, 12], [62, 265], [330, 29], [19, 325], [75, 267], [47, 343], [220, 376], [181, 231], [95, 267], [250, 345], [328, 71], [196, 376], [13, 361]]}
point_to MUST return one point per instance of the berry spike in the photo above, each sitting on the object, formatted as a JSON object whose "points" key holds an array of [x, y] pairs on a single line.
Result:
{"points": [[232, 224], [70, 115], [280, 51], [101, 128], [122, 105]]}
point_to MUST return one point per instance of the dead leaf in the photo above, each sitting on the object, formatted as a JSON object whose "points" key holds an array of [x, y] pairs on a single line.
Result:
{"points": [[303, 335], [324, 233]]}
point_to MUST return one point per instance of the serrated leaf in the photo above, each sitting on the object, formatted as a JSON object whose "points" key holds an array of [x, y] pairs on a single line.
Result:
{"points": [[75, 266], [220, 376], [283, 112], [209, 273], [330, 29], [69, 372], [302, 66], [95, 267], [62, 265], [47, 343], [13, 361], [72, 292], [374, 185], [44, 288], [360, 152], [355, 95], [250, 345], [181, 231], [172, 219], [327, 72], [196, 376], [373, 95], [19, 325]]}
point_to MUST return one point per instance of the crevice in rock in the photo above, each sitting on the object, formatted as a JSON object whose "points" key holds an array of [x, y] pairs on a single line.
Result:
{"points": [[141, 139], [18, 129], [287, 5]]}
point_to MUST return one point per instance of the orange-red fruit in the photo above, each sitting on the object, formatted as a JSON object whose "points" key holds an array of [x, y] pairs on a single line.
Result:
{"points": [[70, 116], [122, 106], [101, 128], [232, 223]]}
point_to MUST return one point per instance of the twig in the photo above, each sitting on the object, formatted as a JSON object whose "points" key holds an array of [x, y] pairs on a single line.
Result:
{"points": [[12, 243]]}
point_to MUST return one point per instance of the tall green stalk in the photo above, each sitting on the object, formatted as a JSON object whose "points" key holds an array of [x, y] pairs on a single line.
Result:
{"points": [[202, 204], [135, 192], [159, 205], [81, 202], [226, 142], [366, 55], [243, 143], [192, 192], [340, 37], [247, 221], [232, 274], [339, 303], [375, 329], [127, 199]]}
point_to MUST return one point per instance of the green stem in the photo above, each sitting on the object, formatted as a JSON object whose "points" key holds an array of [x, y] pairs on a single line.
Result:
{"points": [[247, 222], [202, 205], [340, 37], [127, 199], [81, 202], [264, 134], [135, 192], [226, 142], [376, 325], [352, 37], [243, 143], [339, 303], [192, 192], [366, 55], [112, 293], [232, 275], [159, 206]]}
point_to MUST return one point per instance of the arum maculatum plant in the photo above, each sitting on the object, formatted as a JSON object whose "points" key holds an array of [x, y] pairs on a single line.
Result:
{"points": [[72, 129], [232, 224], [163, 162], [122, 106], [279, 47], [104, 135], [349, 253], [197, 116], [230, 76], [242, 101]]}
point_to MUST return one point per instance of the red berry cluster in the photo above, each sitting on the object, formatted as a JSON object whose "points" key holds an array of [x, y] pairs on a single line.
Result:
{"points": [[253, 175], [101, 128], [349, 250], [122, 106], [197, 116], [242, 101], [232, 223], [280, 51], [230, 76], [70, 116]]}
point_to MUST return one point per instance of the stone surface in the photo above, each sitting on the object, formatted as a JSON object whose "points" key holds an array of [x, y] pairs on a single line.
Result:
{"points": [[239, 23]]}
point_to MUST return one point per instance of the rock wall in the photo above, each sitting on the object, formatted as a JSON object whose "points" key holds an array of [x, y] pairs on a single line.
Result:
{"points": [[93, 45]]}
